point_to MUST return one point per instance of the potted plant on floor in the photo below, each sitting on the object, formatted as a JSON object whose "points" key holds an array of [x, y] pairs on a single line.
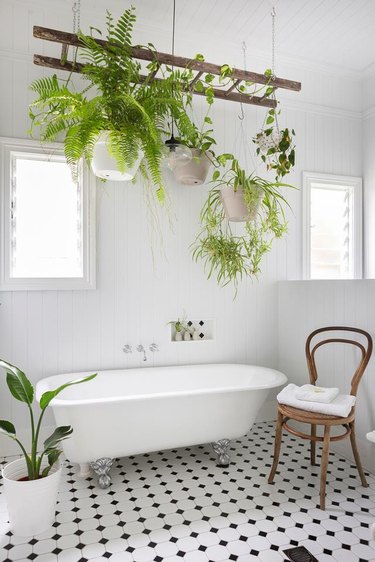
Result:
{"points": [[31, 482], [116, 121], [238, 197]]}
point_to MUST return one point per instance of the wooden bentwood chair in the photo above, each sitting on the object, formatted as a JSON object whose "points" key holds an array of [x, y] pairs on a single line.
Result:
{"points": [[286, 413]]}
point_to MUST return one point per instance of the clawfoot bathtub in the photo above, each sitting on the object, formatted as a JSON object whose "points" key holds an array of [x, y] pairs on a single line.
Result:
{"points": [[127, 412]]}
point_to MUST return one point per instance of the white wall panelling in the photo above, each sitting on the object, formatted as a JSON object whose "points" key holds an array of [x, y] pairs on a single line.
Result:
{"points": [[51, 332]]}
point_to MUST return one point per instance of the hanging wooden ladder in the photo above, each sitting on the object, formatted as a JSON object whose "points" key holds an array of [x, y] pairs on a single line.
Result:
{"points": [[200, 67]]}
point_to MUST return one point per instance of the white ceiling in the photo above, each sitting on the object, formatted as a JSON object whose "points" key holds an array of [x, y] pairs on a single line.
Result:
{"points": [[330, 32]]}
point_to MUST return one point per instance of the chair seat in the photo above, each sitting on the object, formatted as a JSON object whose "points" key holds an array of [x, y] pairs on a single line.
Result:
{"points": [[314, 417]]}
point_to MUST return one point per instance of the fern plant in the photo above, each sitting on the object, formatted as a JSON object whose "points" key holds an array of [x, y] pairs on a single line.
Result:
{"points": [[228, 255], [117, 99]]}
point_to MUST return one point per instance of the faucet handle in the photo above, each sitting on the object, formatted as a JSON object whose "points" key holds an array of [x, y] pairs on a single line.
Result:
{"points": [[154, 347], [140, 348], [127, 348]]}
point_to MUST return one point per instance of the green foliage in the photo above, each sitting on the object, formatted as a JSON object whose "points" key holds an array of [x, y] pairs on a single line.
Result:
{"points": [[22, 389], [279, 154], [225, 254], [117, 99]]}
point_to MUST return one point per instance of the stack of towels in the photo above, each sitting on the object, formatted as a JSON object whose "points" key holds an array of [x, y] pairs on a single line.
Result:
{"points": [[317, 399]]}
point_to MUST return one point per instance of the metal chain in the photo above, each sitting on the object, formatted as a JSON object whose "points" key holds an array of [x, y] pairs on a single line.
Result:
{"points": [[244, 48], [173, 25], [173, 40], [76, 15], [273, 15]]}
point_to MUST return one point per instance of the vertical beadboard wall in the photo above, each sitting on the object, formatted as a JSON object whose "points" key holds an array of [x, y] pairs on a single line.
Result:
{"points": [[307, 305], [143, 283]]}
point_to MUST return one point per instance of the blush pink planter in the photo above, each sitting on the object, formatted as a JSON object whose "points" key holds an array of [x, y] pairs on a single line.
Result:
{"points": [[31, 504], [195, 171], [234, 205]]}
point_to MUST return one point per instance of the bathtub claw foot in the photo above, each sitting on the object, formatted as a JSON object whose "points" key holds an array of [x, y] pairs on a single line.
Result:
{"points": [[221, 448], [101, 467]]}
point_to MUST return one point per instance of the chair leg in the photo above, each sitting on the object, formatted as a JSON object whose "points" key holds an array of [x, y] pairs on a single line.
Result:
{"points": [[276, 454], [356, 455], [323, 466], [313, 445]]}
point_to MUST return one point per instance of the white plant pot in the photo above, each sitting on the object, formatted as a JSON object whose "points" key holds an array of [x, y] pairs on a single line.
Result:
{"points": [[32, 503], [195, 171], [187, 336], [265, 142], [178, 336], [104, 165]]}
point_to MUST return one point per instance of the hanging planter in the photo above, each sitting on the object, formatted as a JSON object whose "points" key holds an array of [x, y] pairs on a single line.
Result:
{"points": [[234, 204], [276, 146], [257, 203], [106, 167], [133, 108], [266, 141], [195, 171]]}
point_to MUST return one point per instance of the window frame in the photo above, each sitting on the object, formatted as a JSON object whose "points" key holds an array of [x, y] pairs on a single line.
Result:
{"points": [[332, 179], [8, 146]]}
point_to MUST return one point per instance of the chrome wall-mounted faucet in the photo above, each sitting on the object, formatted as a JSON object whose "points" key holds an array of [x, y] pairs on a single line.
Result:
{"points": [[141, 349]]}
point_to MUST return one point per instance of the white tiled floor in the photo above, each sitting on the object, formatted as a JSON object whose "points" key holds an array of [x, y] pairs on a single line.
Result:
{"points": [[177, 505]]}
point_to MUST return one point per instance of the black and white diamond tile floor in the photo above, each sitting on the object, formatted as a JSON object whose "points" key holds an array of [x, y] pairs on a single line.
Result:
{"points": [[177, 505]]}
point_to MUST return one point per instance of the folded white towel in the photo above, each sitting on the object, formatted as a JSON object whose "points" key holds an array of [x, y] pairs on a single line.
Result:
{"points": [[313, 393], [340, 406]]}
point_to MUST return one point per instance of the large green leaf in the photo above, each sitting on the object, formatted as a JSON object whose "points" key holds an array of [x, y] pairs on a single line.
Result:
{"points": [[53, 457], [58, 435], [7, 428], [51, 394], [18, 384]]}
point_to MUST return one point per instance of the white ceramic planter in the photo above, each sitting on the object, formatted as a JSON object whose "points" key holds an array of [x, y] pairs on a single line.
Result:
{"points": [[265, 142], [104, 165], [195, 171], [31, 504], [178, 336], [187, 336]]}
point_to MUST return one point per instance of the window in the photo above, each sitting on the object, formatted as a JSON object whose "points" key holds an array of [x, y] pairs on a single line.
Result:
{"points": [[48, 238], [332, 226]]}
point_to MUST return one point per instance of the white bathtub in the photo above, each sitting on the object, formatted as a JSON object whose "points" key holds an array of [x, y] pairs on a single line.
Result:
{"points": [[126, 412]]}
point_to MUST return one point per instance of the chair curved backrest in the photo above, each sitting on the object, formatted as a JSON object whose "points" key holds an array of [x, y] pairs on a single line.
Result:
{"points": [[366, 351]]}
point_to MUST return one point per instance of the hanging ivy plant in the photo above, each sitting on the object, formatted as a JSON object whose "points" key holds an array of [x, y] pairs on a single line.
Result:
{"points": [[276, 147]]}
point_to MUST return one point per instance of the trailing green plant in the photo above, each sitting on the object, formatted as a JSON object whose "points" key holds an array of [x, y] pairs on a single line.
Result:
{"points": [[116, 99], [228, 255], [22, 390], [178, 325], [276, 146]]}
